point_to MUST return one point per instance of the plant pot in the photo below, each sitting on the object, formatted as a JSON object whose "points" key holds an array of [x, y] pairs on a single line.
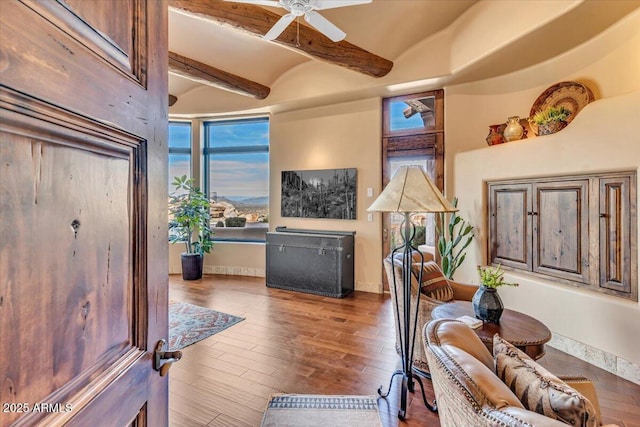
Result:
{"points": [[487, 304], [551, 127], [191, 266]]}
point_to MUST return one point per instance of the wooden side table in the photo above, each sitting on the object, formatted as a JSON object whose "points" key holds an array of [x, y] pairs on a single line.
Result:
{"points": [[524, 332]]}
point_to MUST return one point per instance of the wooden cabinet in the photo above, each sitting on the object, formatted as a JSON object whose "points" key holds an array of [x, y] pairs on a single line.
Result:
{"points": [[615, 226], [578, 229], [510, 225], [560, 229]]}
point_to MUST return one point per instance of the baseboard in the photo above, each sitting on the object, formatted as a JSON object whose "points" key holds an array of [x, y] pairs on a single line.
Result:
{"points": [[234, 271], [600, 358], [375, 288]]}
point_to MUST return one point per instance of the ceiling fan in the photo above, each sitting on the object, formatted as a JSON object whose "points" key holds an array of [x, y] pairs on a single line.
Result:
{"points": [[307, 8]]}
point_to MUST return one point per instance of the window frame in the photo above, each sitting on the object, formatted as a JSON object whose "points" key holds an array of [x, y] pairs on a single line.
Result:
{"points": [[438, 126], [181, 150], [207, 151]]}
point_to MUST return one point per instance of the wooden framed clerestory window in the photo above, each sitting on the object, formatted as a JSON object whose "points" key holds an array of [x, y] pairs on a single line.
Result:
{"points": [[412, 134]]}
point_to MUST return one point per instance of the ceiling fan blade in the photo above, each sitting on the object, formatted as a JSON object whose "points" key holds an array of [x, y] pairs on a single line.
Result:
{"points": [[325, 26], [331, 4], [271, 3], [279, 26]]}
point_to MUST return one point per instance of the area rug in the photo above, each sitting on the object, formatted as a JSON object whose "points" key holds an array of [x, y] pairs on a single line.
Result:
{"points": [[309, 410], [190, 323]]}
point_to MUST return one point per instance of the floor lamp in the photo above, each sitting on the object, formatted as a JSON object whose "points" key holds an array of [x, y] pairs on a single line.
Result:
{"points": [[409, 191]]}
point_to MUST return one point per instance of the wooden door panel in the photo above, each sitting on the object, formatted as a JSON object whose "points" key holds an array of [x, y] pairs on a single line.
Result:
{"points": [[112, 19], [561, 238], [510, 222], [615, 238], [70, 198], [108, 29], [109, 87]]}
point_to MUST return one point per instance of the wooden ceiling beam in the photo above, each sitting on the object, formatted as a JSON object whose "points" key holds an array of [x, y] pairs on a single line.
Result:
{"points": [[212, 76], [257, 21]]}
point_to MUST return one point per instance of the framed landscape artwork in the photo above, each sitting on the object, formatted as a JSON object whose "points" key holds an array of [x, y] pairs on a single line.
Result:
{"points": [[327, 193]]}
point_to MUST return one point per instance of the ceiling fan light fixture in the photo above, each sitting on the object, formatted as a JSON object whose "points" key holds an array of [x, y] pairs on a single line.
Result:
{"points": [[298, 9]]}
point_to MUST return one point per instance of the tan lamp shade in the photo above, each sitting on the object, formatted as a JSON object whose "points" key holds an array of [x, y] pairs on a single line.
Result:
{"points": [[411, 190]]}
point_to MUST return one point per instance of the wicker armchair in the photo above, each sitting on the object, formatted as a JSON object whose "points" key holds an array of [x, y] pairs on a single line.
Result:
{"points": [[461, 291], [469, 393]]}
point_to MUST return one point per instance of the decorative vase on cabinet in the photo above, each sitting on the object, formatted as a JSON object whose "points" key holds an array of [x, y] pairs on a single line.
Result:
{"points": [[487, 305], [514, 130], [495, 134], [486, 302]]}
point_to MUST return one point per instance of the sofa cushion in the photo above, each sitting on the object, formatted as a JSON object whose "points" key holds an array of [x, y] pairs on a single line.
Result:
{"points": [[538, 389], [434, 284]]}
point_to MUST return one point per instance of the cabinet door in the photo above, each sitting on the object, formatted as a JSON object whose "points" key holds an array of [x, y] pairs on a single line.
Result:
{"points": [[615, 234], [510, 225], [561, 235]]}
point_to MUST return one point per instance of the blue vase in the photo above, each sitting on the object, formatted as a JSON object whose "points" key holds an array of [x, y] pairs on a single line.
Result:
{"points": [[487, 304]]}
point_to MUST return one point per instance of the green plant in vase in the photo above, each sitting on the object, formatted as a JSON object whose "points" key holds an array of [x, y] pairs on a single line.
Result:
{"points": [[486, 302], [493, 277], [550, 120], [189, 213]]}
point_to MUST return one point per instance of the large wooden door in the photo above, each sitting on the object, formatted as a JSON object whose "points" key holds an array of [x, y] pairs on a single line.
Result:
{"points": [[83, 256]]}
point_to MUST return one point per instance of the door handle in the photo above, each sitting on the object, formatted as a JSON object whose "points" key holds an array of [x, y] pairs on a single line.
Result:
{"points": [[162, 360]]}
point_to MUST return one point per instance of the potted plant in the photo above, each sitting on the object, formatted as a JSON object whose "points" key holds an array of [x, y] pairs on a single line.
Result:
{"points": [[486, 302], [189, 213], [550, 120], [452, 240]]}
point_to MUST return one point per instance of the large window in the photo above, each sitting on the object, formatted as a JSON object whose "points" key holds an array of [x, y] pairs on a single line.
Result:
{"points": [[413, 134], [236, 177], [179, 150]]}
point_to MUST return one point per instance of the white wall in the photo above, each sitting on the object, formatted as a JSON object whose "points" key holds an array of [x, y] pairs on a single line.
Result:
{"points": [[603, 137], [239, 259], [339, 136]]}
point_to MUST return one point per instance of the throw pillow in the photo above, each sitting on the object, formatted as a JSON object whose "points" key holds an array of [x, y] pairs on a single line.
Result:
{"points": [[434, 284], [538, 389]]}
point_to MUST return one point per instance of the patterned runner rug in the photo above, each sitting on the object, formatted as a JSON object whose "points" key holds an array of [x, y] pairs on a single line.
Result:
{"points": [[190, 323], [308, 410]]}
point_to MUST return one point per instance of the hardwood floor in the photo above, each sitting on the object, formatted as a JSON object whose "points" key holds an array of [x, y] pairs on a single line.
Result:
{"points": [[292, 342]]}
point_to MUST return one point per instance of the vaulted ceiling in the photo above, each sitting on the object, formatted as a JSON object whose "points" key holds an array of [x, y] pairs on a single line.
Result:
{"points": [[219, 64]]}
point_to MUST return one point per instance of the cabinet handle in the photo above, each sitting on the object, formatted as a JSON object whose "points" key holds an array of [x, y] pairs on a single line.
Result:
{"points": [[535, 213], [604, 215], [529, 213]]}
